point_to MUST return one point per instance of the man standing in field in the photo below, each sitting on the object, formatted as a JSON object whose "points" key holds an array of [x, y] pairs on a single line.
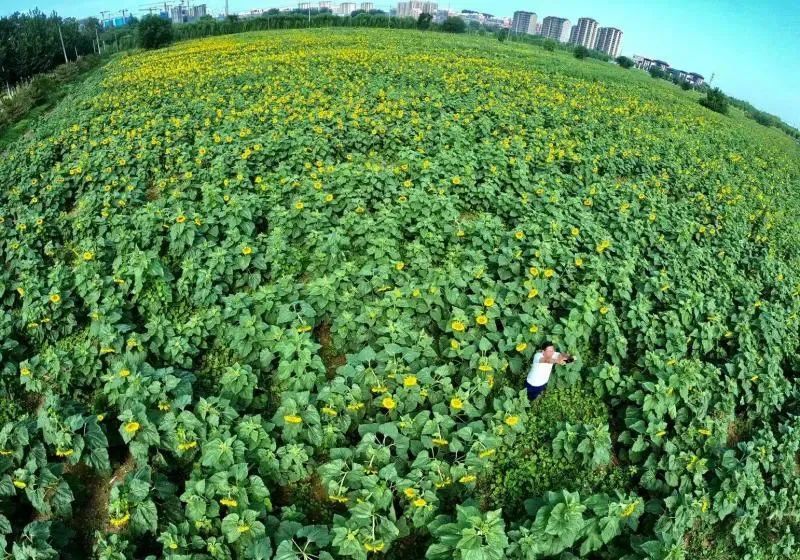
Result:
{"points": [[542, 366]]}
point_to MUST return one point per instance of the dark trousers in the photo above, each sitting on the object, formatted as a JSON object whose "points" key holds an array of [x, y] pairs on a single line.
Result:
{"points": [[534, 391]]}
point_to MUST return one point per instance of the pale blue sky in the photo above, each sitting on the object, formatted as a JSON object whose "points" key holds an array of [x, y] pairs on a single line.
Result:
{"points": [[751, 47]]}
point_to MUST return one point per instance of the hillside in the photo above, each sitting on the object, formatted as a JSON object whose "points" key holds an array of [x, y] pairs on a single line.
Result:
{"points": [[276, 295]]}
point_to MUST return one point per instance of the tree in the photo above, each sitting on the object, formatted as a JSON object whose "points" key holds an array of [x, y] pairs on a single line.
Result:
{"points": [[502, 35], [424, 21], [657, 72], [764, 118], [154, 32], [624, 62], [716, 101], [580, 52], [549, 45], [454, 25], [685, 85]]}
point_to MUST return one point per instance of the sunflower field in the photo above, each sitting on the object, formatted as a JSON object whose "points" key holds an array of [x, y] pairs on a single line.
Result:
{"points": [[275, 295]]}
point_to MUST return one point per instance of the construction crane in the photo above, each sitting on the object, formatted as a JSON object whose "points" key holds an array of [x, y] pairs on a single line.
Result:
{"points": [[155, 6]]}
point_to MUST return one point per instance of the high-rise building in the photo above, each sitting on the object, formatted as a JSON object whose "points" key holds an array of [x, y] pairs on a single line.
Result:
{"points": [[413, 8], [524, 22], [538, 28], [609, 40], [346, 8], [556, 28], [325, 5], [584, 33], [186, 14], [441, 15], [367, 6], [304, 6]]}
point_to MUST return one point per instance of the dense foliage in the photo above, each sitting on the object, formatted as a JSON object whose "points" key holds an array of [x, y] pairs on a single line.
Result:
{"points": [[283, 306], [580, 52], [716, 101], [30, 45], [154, 32], [454, 24], [42, 90], [624, 62]]}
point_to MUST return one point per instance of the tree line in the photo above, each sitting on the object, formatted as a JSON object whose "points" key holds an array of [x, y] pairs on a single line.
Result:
{"points": [[30, 43], [295, 19]]}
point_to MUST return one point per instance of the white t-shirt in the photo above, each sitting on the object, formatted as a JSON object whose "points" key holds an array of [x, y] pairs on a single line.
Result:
{"points": [[540, 372]]}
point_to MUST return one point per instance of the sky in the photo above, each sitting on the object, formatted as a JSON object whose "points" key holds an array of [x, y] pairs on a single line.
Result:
{"points": [[750, 47]]}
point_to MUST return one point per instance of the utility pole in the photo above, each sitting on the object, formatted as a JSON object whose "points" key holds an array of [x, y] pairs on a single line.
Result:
{"points": [[63, 48]]}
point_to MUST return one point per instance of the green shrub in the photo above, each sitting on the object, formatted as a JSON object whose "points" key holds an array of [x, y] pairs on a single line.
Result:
{"points": [[424, 21], [686, 86], [154, 32], [454, 25], [549, 45], [531, 466], [625, 62], [580, 52], [716, 101], [656, 72], [763, 118]]}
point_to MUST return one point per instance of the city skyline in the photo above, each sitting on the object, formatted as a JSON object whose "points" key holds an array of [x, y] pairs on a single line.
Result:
{"points": [[702, 36]]}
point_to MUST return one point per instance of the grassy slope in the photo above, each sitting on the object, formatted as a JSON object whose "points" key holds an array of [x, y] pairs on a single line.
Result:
{"points": [[66, 93]]}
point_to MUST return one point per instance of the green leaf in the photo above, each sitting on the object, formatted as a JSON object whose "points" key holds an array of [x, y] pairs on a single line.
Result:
{"points": [[230, 527], [218, 454], [145, 517]]}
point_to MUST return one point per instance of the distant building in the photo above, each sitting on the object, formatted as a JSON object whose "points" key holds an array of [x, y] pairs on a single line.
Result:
{"points": [[346, 8], [695, 79], [524, 22], [304, 6], [186, 14], [117, 22], [367, 6], [661, 65], [538, 28], [647, 63], [684, 76], [255, 12], [325, 5], [470, 15], [584, 33], [642, 62], [609, 40], [441, 15], [678, 74], [413, 8], [496, 22], [556, 28]]}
